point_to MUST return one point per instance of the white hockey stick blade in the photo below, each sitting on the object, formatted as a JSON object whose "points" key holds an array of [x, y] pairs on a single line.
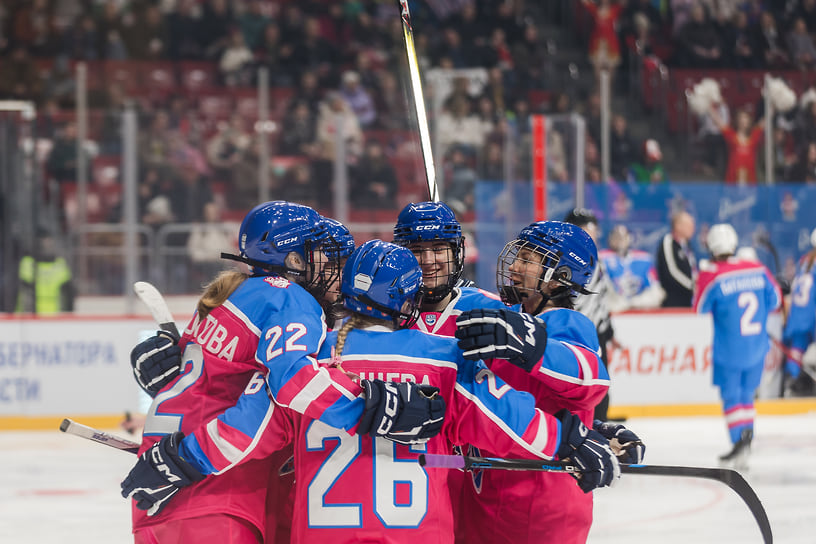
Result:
{"points": [[155, 302], [72, 427]]}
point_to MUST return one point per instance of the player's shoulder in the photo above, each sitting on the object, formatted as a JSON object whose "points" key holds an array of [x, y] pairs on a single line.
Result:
{"points": [[260, 296], [474, 297], [568, 322]]}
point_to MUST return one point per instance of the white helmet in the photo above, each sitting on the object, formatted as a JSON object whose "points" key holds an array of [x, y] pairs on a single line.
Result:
{"points": [[722, 239]]}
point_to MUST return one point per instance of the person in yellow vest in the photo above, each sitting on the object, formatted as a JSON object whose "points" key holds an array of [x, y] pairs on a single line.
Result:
{"points": [[46, 285]]}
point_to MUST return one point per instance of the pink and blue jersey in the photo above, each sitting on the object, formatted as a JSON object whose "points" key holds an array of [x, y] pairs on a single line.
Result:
{"points": [[268, 327], [631, 274], [531, 507], [353, 488], [800, 326], [740, 295], [464, 299]]}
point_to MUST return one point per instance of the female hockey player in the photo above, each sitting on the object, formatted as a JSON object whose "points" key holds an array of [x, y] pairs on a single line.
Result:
{"points": [[551, 351], [739, 295], [353, 488], [246, 326]]}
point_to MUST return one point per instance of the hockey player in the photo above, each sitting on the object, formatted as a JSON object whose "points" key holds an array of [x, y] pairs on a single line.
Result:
{"points": [[551, 351], [249, 331], [602, 299], [632, 271], [433, 234], [353, 488], [739, 294], [801, 323]]}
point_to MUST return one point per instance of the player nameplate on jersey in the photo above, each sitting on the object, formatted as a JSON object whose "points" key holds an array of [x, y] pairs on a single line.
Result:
{"points": [[277, 281], [430, 319]]}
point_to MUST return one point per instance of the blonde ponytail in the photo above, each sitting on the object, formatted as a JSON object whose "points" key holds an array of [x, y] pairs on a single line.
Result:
{"points": [[219, 290]]}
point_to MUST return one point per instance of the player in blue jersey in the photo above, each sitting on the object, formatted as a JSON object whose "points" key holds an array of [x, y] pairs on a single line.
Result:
{"points": [[632, 271], [800, 326], [551, 351], [739, 294], [262, 329]]}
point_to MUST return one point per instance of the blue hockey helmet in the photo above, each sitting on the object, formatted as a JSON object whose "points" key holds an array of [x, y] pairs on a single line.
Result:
{"points": [[429, 222], [272, 231], [343, 240], [383, 280], [565, 252]]}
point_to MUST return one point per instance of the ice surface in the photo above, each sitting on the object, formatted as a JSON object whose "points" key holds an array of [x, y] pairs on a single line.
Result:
{"points": [[58, 488]]}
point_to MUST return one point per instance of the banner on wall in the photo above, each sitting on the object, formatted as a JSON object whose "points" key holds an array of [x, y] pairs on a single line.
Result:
{"points": [[665, 359], [58, 367]]}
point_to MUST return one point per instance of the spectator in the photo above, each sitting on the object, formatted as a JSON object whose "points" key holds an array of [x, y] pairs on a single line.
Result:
{"points": [[491, 162], [461, 181], [60, 85], [19, 79], [801, 47], [709, 140], [276, 55], [743, 45], [236, 61], [299, 186], [312, 52], [676, 264], [391, 105], [227, 146], [358, 99], [214, 27], [144, 33], [650, 169], [742, 146], [531, 58], [189, 191], [207, 240], [308, 89], [111, 41], [81, 39], [631, 271], [182, 33], [154, 143], [699, 43], [335, 118], [604, 46], [252, 23], [374, 181], [457, 126], [46, 282], [804, 169], [773, 50], [61, 163], [622, 151], [299, 130]]}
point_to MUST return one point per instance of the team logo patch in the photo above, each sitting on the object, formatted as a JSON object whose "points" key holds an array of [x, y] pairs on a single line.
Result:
{"points": [[277, 281], [430, 319]]}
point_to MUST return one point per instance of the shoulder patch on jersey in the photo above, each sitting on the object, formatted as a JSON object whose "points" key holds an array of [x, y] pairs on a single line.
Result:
{"points": [[277, 281]]}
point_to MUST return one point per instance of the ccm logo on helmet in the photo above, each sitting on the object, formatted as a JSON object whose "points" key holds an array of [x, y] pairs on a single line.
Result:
{"points": [[577, 258], [287, 241], [427, 227]]}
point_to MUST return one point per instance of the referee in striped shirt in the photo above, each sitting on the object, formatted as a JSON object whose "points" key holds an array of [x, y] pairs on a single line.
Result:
{"points": [[596, 306]]}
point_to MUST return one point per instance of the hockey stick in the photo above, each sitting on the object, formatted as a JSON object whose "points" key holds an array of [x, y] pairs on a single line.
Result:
{"points": [[729, 477], [155, 302], [72, 427], [419, 100]]}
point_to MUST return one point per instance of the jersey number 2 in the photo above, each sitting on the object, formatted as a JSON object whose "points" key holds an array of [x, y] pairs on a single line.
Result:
{"points": [[749, 301], [388, 472]]}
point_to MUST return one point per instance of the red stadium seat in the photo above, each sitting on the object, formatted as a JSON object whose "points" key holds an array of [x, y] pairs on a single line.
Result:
{"points": [[198, 76]]}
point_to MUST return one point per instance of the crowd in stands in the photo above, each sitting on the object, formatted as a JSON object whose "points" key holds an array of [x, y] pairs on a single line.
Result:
{"points": [[339, 67]]}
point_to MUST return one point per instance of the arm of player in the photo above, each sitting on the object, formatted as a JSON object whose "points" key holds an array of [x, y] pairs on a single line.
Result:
{"points": [[491, 415]]}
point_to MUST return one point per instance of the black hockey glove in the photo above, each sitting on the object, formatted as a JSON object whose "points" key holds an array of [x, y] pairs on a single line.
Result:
{"points": [[629, 448], [405, 412], [156, 362], [590, 452], [158, 475], [518, 338]]}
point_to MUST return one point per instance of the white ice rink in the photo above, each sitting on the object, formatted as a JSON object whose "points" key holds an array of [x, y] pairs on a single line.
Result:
{"points": [[58, 488]]}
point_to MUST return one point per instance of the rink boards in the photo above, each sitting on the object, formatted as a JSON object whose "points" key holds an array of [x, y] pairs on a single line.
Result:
{"points": [[78, 367]]}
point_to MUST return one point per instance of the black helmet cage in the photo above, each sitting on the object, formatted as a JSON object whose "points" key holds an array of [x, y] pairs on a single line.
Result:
{"points": [[514, 294], [318, 283]]}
